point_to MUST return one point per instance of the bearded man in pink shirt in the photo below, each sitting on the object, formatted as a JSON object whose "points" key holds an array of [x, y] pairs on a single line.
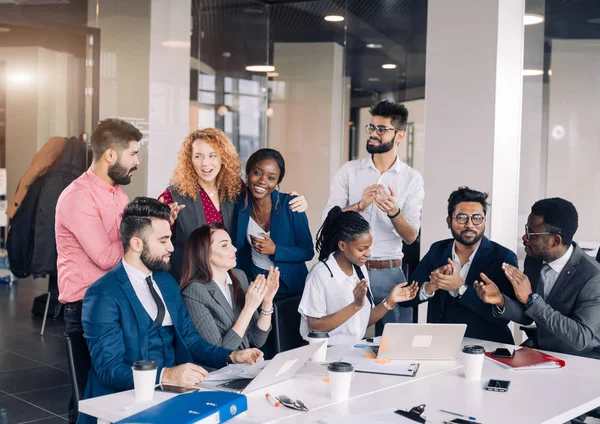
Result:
{"points": [[88, 215]]}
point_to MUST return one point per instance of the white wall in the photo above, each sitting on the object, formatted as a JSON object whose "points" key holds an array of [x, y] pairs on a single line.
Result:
{"points": [[574, 133], [308, 119]]}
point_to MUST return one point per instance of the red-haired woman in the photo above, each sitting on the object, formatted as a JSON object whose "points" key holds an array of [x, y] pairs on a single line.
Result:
{"points": [[204, 188], [223, 307]]}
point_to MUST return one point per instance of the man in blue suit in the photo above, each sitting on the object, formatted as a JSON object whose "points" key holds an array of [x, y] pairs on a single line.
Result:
{"points": [[135, 312], [447, 272]]}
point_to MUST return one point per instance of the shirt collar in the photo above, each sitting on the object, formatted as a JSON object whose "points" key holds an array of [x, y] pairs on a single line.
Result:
{"points": [[455, 256], [561, 262], [395, 167], [337, 272], [228, 282], [134, 272], [97, 181]]}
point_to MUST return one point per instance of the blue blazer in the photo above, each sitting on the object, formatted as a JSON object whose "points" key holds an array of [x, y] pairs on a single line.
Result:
{"points": [[292, 238], [115, 325], [468, 309]]}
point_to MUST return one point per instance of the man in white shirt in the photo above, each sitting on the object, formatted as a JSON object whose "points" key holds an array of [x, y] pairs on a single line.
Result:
{"points": [[135, 312], [559, 289], [389, 195]]}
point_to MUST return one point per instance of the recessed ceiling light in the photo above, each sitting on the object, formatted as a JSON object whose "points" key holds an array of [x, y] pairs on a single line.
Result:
{"points": [[594, 21], [272, 74], [550, 72], [532, 19], [4, 29], [374, 46], [260, 68], [176, 44], [389, 66], [334, 18], [373, 79], [532, 72]]}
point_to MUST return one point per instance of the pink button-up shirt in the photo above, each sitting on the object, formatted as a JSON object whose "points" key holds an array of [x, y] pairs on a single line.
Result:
{"points": [[88, 215]]}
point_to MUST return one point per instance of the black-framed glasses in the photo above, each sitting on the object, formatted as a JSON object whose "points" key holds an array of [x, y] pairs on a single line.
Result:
{"points": [[528, 233], [288, 402], [463, 218], [379, 129]]}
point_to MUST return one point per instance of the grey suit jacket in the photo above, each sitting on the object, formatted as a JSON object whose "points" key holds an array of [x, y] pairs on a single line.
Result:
{"points": [[214, 317], [568, 321]]}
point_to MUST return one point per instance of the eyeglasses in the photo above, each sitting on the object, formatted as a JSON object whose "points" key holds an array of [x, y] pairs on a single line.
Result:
{"points": [[528, 233], [379, 129], [288, 402], [463, 218]]}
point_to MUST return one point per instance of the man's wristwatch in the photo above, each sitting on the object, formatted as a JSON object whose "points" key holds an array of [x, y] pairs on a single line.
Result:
{"points": [[531, 299], [229, 360], [461, 290]]}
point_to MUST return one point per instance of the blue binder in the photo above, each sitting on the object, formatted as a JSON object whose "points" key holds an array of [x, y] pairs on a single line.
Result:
{"points": [[196, 407]]}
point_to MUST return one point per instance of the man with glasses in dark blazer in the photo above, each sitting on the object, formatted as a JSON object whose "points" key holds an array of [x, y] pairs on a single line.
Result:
{"points": [[447, 273]]}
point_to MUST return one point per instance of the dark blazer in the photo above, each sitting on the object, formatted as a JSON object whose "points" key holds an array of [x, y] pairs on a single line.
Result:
{"points": [[214, 317], [188, 219], [598, 256], [568, 321], [468, 309], [292, 238], [115, 325]]}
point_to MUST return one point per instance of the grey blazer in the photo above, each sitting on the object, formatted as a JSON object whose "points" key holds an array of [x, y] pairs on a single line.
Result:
{"points": [[568, 321], [214, 317]]}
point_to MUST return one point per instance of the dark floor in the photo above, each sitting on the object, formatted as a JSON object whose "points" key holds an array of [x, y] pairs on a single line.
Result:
{"points": [[34, 381]]}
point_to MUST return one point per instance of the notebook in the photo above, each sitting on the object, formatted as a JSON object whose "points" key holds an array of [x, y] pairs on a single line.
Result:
{"points": [[528, 359], [364, 361]]}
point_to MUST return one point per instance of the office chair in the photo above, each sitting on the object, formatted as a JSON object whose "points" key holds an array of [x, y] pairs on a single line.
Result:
{"points": [[78, 372], [286, 324]]}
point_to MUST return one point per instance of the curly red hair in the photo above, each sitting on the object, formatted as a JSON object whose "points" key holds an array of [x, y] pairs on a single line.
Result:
{"points": [[229, 181]]}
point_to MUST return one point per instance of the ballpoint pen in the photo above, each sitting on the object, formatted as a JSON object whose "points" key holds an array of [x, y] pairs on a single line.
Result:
{"points": [[459, 415]]}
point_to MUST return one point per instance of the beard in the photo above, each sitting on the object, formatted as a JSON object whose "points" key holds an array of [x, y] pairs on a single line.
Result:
{"points": [[154, 263], [459, 237], [119, 174], [381, 148]]}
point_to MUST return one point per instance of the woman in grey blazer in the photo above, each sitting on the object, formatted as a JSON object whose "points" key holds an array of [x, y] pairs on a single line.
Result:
{"points": [[223, 307]]}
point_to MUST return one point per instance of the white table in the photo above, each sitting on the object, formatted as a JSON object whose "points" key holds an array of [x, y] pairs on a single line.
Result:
{"points": [[535, 396]]}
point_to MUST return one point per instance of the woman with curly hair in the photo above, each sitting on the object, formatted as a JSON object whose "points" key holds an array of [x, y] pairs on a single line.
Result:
{"points": [[204, 188]]}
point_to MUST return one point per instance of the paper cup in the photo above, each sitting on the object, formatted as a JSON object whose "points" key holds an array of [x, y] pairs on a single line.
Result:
{"points": [[340, 377], [144, 380], [473, 361], [315, 337]]}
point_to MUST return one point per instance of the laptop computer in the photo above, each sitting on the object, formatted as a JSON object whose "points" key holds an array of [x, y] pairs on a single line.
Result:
{"points": [[421, 341], [283, 366]]}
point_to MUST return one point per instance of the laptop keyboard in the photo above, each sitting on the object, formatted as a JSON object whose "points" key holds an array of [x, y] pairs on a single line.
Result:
{"points": [[237, 384]]}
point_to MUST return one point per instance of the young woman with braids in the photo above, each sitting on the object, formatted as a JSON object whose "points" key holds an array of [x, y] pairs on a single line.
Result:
{"points": [[336, 297], [204, 188], [267, 233], [221, 304]]}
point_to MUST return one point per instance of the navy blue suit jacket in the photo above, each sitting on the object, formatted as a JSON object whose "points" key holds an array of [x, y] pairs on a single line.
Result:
{"points": [[468, 309], [115, 325], [289, 232]]}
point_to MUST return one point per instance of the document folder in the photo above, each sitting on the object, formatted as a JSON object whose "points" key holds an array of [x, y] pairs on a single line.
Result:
{"points": [[528, 359], [198, 407]]}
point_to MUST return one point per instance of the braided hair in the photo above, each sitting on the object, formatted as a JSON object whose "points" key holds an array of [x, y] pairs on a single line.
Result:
{"points": [[339, 226]]}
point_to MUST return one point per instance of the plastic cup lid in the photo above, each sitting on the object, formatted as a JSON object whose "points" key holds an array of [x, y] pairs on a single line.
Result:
{"points": [[473, 349], [144, 365], [340, 367], [315, 334]]}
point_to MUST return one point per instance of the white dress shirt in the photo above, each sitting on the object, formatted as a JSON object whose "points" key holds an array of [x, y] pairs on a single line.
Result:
{"points": [[324, 295], [356, 175], [138, 281], [557, 266], [226, 289], [462, 270], [255, 230]]}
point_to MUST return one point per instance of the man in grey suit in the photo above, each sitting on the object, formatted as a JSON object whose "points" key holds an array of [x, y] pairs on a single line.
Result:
{"points": [[560, 288]]}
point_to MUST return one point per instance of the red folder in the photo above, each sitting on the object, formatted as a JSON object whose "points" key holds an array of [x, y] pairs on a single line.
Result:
{"points": [[526, 358]]}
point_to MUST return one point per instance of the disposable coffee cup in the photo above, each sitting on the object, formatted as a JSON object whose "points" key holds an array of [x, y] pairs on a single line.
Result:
{"points": [[317, 337], [473, 361], [144, 380], [340, 377]]}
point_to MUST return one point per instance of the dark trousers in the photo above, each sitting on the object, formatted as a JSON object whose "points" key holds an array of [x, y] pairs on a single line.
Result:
{"points": [[81, 355]]}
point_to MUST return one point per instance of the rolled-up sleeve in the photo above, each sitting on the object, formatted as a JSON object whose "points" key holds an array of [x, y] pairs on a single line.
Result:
{"points": [[413, 205]]}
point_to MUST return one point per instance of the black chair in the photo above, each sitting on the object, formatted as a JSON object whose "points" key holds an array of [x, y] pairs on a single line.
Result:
{"points": [[286, 324], [78, 369]]}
